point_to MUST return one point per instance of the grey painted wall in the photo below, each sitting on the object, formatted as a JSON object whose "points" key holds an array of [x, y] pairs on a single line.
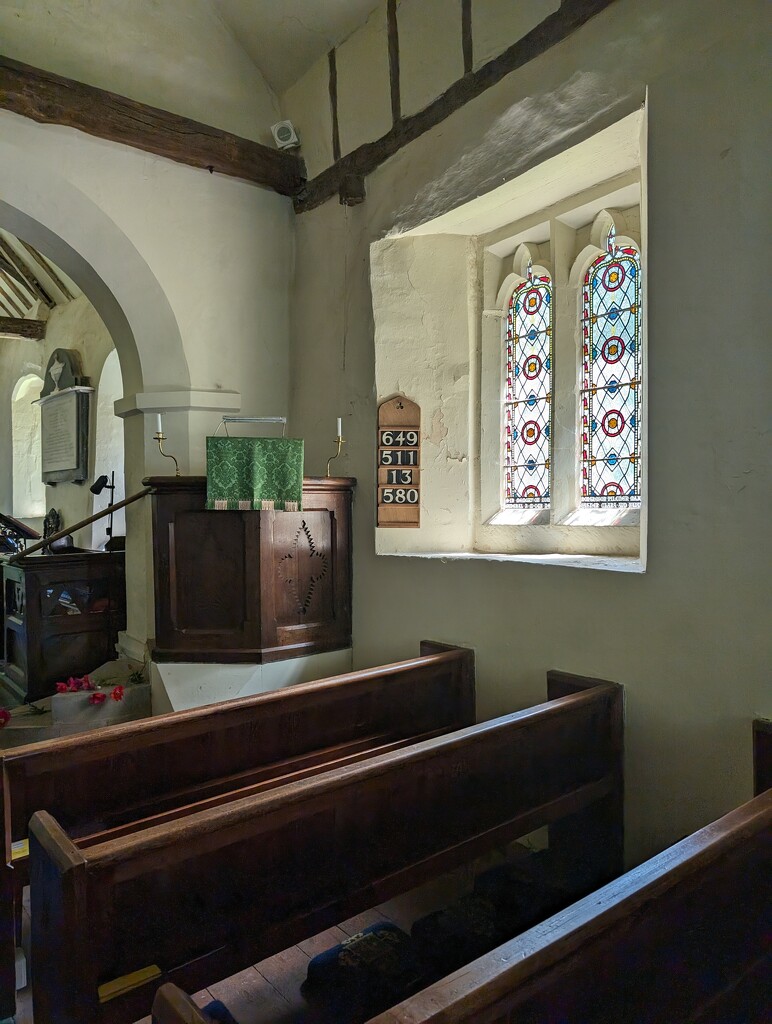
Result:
{"points": [[690, 638]]}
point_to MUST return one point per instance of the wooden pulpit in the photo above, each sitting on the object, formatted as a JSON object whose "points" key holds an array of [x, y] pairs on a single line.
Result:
{"points": [[250, 586]]}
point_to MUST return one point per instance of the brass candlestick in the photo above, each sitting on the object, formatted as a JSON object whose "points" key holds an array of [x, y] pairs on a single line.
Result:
{"points": [[160, 438], [339, 441]]}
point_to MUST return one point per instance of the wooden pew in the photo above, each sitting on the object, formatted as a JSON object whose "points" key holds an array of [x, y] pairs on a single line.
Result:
{"points": [[679, 939], [109, 778], [762, 755], [630, 938], [210, 894], [685, 937], [172, 1006]]}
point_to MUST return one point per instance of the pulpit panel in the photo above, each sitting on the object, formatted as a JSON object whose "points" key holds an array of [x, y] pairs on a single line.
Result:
{"points": [[199, 601], [250, 586]]}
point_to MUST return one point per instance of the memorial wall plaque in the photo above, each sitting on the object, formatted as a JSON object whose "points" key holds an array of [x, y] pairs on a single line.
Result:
{"points": [[64, 419]]}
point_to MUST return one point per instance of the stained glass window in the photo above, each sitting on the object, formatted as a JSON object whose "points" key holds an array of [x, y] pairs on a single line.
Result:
{"points": [[528, 395], [611, 380]]}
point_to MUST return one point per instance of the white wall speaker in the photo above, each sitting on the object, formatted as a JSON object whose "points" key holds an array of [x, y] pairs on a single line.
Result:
{"points": [[284, 135]]}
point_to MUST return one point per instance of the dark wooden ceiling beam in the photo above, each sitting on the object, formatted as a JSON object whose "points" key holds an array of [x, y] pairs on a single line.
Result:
{"points": [[570, 16], [51, 99], [14, 325], [10, 276], [31, 282], [13, 306], [48, 269]]}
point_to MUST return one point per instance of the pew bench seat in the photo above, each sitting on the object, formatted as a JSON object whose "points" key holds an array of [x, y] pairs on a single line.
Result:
{"points": [[685, 938], [113, 781], [201, 896]]}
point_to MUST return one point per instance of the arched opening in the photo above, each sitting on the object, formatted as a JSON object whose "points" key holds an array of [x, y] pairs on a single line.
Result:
{"points": [[79, 236], [29, 491], [108, 449]]}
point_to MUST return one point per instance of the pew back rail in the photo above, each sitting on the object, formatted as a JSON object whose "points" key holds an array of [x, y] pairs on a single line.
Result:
{"points": [[214, 892], [116, 776], [683, 937]]}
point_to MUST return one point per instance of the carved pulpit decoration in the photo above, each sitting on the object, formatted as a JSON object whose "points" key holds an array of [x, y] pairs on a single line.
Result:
{"points": [[303, 567], [64, 419]]}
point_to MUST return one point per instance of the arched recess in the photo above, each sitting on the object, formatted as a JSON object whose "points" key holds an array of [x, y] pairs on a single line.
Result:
{"points": [[62, 222], [108, 448], [29, 491]]}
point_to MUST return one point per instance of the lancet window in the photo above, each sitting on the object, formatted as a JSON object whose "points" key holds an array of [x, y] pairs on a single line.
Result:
{"points": [[528, 394], [610, 393]]}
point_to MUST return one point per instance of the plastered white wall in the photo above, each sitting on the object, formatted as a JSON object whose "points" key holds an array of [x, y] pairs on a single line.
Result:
{"points": [[190, 273], [177, 55], [364, 110], [420, 287], [689, 639], [307, 104], [77, 325], [430, 60], [431, 56], [497, 24]]}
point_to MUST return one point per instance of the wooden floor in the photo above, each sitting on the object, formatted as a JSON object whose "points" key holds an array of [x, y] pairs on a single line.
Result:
{"points": [[269, 992]]}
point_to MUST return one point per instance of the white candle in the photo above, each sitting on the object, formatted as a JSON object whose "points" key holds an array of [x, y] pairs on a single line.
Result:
{"points": [[158, 425], [340, 427]]}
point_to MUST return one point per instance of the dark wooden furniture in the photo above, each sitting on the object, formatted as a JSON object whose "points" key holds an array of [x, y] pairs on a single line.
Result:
{"points": [[682, 938], [250, 586], [14, 534], [112, 780], [762, 755], [172, 1006], [216, 891], [62, 614]]}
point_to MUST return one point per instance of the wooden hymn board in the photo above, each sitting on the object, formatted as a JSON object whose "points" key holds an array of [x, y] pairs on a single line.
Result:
{"points": [[399, 463]]}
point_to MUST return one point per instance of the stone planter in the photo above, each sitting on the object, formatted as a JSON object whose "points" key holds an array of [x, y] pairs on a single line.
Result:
{"points": [[71, 712]]}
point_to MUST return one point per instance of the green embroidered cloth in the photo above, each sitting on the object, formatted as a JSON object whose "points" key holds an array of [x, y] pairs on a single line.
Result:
{"points": [[254, 473]]}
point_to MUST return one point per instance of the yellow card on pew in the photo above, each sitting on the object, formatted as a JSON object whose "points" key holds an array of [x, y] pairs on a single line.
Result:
{"points": [[20, 849], [118, 986]]}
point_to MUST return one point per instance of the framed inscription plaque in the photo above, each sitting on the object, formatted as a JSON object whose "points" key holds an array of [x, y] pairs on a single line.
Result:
{"points": [[64, 419], [399, 463], [64, 435]]}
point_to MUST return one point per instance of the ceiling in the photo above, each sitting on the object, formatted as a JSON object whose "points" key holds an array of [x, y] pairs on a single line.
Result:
{"points": [[28, 280], [285, 37]]}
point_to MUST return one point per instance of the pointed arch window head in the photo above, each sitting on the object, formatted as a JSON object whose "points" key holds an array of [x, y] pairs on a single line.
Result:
{"points": [[610, 392], [527, 417]]}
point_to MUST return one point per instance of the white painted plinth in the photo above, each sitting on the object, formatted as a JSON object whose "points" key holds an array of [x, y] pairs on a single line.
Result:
{"points": [[182, 685]]}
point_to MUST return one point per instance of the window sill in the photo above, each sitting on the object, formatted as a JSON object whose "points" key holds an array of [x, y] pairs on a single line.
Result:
{"points": [[609, 563]]}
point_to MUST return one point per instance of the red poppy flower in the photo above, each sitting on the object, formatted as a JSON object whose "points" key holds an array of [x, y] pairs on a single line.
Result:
{"points": [[86, 684], [117, 693], [61, 687], [97, 698], [5, 717]]}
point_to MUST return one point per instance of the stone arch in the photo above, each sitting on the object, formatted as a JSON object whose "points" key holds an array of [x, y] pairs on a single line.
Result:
{"points": [[45, 209]]}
